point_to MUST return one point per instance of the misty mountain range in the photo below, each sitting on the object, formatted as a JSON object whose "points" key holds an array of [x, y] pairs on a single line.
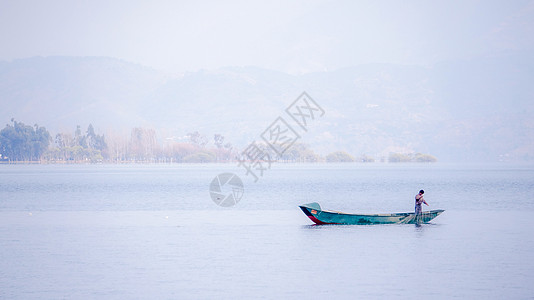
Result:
{"points": [[479, 109]]}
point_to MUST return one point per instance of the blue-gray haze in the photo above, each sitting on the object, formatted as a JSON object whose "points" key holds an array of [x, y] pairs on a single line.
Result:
{"points": [[449, 78]]}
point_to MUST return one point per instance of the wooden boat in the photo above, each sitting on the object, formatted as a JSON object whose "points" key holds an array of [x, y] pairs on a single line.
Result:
{"points": [[320, 217]]}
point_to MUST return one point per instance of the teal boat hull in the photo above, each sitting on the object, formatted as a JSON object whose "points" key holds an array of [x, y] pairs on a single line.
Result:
{"points": [[321, 217]]}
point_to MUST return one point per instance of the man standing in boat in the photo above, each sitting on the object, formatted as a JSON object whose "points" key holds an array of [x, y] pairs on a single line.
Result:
{"points": [[419, 200]]}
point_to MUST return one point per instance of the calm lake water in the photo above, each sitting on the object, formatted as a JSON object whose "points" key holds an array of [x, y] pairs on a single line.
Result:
{"points": [[152, 231]]}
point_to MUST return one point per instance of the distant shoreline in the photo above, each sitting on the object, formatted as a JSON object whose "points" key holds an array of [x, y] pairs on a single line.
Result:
{"points": [[197, 163]]}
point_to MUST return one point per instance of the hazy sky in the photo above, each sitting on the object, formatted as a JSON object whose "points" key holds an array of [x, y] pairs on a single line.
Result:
{"points": [[291, 36]]}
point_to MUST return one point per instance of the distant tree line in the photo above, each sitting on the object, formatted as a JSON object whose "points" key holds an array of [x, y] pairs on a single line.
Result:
{"points": [[20, 142], [77, 147], [411, 157], [144, 146], [342, 156]]}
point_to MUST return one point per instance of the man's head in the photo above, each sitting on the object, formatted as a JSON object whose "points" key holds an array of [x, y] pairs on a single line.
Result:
{"points": [[421, 192]]}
